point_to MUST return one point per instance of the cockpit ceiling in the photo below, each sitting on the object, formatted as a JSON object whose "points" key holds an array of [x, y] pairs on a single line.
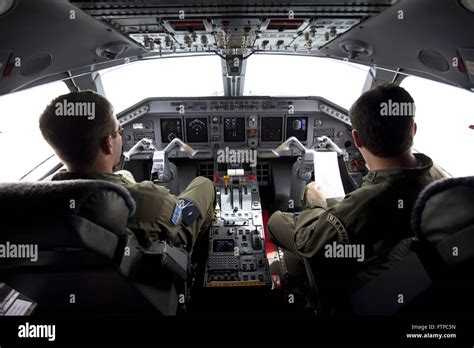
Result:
{"points": [[49, 40], [427, 38], [233, 29]]}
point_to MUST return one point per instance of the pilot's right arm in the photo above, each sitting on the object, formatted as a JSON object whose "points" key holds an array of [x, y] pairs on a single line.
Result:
{"points": [[126, 175], [154, 209], [156, 206], [318, 225]]}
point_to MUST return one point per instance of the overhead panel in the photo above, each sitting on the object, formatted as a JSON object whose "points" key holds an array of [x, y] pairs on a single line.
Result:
{"points": [[230, 29]]}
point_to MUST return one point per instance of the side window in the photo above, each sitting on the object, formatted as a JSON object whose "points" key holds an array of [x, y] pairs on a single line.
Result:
{"points": [[22, 146], [445, 120]]}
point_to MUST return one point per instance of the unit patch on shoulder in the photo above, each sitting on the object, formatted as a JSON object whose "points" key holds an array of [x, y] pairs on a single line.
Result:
{"points": [[341, 230]]}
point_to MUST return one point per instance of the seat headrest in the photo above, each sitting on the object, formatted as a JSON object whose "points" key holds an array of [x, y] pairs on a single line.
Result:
{"points": [[106, 204], [444, 216], [444, 208]]}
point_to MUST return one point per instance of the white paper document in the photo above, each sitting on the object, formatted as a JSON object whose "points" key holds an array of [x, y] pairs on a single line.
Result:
{"points": [[18, 308], [326, 174]]}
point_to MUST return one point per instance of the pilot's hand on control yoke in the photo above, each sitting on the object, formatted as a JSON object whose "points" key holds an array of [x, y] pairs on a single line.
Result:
{"points": [[314, 196]]}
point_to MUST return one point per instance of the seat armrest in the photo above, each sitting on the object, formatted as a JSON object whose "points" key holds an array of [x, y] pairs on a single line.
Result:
{"points": [[171, 258]]}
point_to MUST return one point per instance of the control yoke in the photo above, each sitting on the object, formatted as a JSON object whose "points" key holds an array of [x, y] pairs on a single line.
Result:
{"points": [[287, 144], [327, 143], [306, 166], [160, 172], [142, 145]]}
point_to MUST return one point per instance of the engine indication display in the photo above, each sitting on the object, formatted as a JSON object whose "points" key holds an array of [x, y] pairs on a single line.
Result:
{"points": [[171, 128], [272, 129], [234, 129], [196, 130], [297, 127]]}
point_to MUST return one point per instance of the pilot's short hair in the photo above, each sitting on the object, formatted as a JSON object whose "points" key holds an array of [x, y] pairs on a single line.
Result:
{"points": [[383, 117], [76, 133]]}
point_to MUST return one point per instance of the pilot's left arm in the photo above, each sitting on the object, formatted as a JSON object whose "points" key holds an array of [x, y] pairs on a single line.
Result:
{"points": [[319, 225], [297, 234]]}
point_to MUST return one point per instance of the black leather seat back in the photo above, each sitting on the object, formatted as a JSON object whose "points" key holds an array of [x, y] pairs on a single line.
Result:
{"points": [[386, 288], [444, 218], [79, 229], [433, 270], [443, 221]]}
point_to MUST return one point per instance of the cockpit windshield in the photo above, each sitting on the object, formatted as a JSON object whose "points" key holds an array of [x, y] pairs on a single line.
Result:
{"points": [[182, 76], [284, 75]]}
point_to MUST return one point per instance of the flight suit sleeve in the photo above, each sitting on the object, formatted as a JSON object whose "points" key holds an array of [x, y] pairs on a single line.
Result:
{"points": [[318, 226], [126, 175], [155, 206], [202, 193], [281, 226]]}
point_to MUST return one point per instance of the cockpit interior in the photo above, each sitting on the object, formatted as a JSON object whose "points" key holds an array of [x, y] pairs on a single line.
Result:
{"points": [[255, 96]]}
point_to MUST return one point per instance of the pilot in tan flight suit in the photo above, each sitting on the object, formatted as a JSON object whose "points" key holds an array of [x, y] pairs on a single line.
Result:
{"points": [[376, 215], [91, 147]]}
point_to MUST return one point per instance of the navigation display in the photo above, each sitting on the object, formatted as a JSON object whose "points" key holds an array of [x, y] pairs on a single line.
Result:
{"points": [[297, 127], [196, 130], [234, 129], [272, 128], [171, 128]]}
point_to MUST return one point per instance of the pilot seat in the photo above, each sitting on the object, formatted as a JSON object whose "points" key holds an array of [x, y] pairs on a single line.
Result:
{"points": [[430, 273], [88, 264]]}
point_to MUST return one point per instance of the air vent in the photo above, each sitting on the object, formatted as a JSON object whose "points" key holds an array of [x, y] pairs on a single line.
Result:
{"points": [[112, 50], [356, 48], [433, 60], [35, 64]]}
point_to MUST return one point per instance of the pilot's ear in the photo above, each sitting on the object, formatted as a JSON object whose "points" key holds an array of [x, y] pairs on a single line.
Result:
{"points": [[356, 137], [107, 145], [414, 128]]}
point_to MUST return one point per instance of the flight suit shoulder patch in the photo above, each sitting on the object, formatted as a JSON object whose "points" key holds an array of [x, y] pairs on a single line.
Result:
{"points": [[341, 230]]}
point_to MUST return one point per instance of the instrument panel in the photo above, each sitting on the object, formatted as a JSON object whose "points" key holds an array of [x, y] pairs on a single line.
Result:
{"points": [[171, 128], [297, 127], [258, 123], [272, 129], [251, 121], [196, 129], [234, 129]]}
